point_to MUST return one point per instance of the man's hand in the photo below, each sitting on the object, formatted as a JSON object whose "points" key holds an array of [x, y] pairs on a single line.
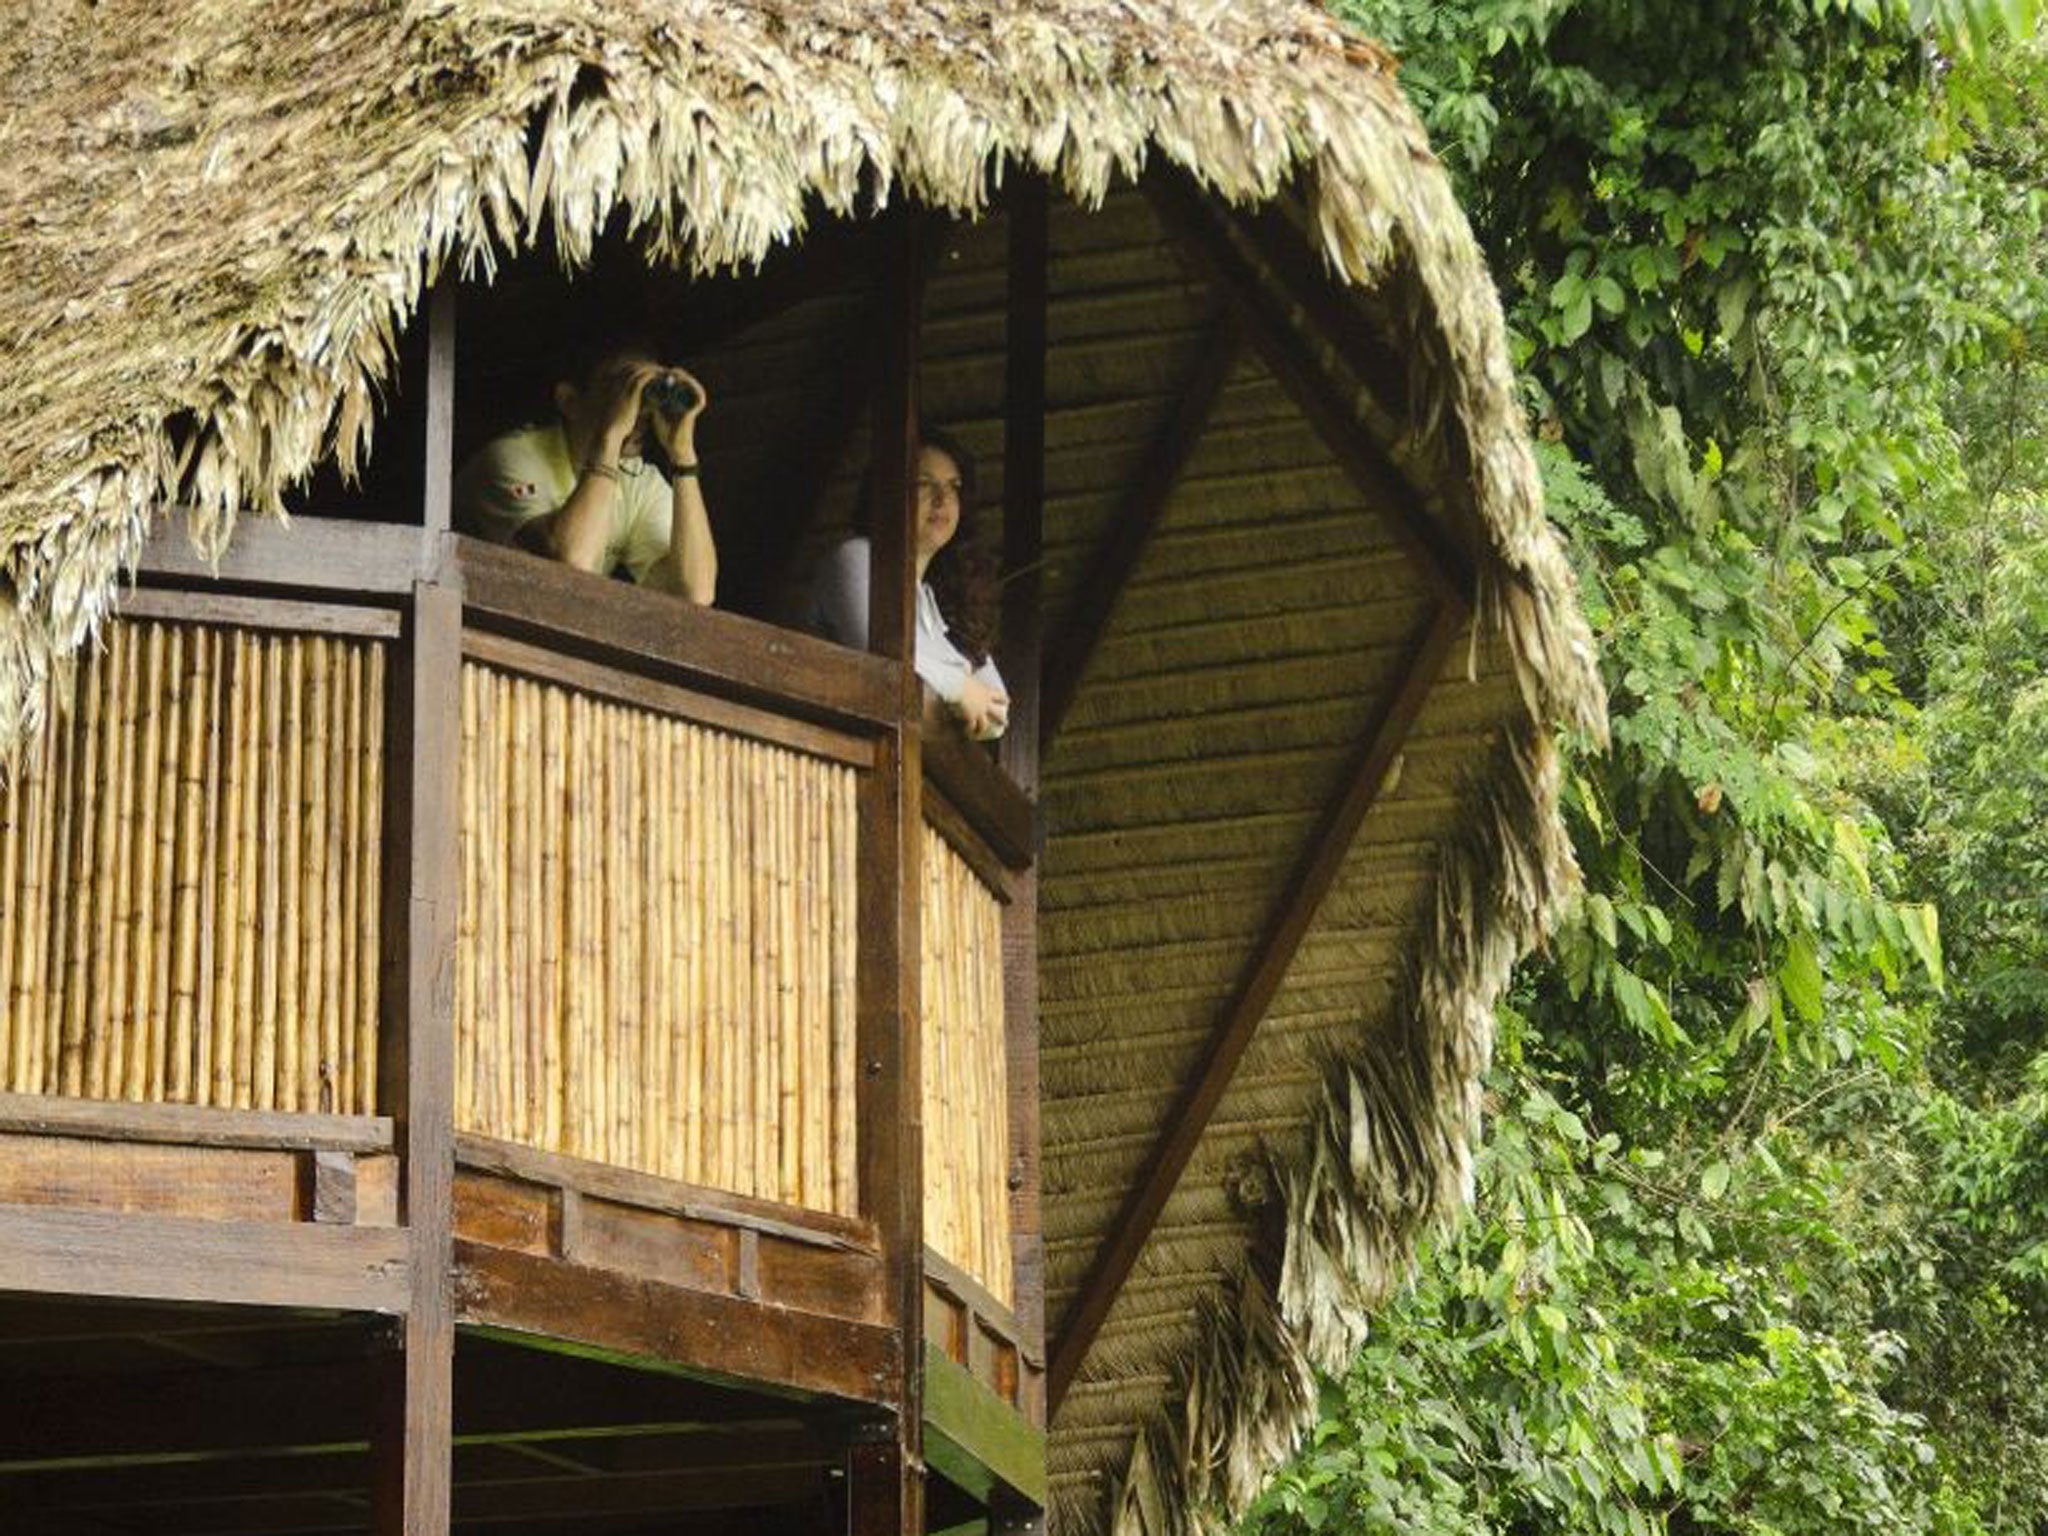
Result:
{"points": [[677, 434]]}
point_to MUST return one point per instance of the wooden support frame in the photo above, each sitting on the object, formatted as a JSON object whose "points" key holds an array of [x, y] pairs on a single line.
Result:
{"points": [[1301, 896], [1435, 552], [1029, 258], [1138, 513], [885, 1474], [413, 1442]]}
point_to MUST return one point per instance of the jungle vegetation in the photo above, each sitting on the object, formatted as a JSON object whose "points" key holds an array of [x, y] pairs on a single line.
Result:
{"points": [[1761, 1238]]}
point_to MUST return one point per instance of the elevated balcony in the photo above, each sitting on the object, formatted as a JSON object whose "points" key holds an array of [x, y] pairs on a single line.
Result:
{"points": [[387, 895]]}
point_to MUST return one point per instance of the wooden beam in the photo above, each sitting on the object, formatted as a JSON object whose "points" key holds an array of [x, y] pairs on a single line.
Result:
{"points": [[975, 1438], [1301, 895], [311, 554], [192, 1125], [1024, 404], [652, 1325], [1263, 313], [1138, 513], [175, 1258], [651, 632], [891, 873], [416, 1070]]}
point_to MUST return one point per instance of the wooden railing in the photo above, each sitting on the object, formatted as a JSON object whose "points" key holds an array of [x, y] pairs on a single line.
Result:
{"points": [[657, 914], [190, 874], [657, 943]]}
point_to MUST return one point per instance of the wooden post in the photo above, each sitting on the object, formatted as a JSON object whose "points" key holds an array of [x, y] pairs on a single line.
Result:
{"points": [[1023, 552], [886, 1492], [412, 1441]]}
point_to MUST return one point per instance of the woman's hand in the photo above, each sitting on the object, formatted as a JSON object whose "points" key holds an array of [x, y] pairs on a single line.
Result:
{"points": [[983, 709]]}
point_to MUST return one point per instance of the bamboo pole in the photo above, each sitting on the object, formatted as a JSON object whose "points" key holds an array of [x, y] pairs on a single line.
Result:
{"points": [[12, 835], [335, 1076], [511, 1053], [349, 848], [652, 851], [845, 891], [576, 983], [692, 903], [518, 905], [264, 1073], [198, 1067], [55, 928], [108, 873], [725, 786], [92, 762], [291, 1059], [156, 775], [310, 875], [554, 905], [190, 702], [369, 867], [465, 944], [230, 1006], [39, 912], [21, 994]]}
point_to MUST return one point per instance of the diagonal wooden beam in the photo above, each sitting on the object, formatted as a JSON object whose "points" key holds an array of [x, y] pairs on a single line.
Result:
{"points": [[1123, 544], [1263, 309], [1301, 896]]}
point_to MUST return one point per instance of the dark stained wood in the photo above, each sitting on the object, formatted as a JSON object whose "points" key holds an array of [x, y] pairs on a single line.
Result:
{"points": [[664, 636], [297, 615], [982, 793], [821, 1229], [949, 1279], [1260, 309], [191, 1125], [413, 1440], [941, 816], [173, 1258], [216, 1183], [890, 1150], [676, 1251], [1138, 512], [330, 1193], [1024, 330], [875, 1481], [437, 511], [637, 1319], [309, 554], [1023, 668], [667, 699], [507, 1213], [1301, 895]]}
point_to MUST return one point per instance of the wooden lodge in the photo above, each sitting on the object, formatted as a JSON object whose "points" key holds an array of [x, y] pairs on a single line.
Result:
{"points": [[488, 1048]]}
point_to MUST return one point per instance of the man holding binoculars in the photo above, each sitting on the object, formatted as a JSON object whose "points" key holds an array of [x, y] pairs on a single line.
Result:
{"points": [[578, 490]]}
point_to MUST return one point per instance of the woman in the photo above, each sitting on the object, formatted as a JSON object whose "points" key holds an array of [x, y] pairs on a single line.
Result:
{"points": [[956, 592]]}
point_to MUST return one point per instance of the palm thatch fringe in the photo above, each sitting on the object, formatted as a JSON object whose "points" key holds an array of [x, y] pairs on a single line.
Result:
{"points": [[1387, 1160], [243, 329]]}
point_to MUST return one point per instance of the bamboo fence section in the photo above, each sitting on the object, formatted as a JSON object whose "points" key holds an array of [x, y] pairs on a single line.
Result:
{"points": [[966, 1079], [656, 958], [189, 855]]}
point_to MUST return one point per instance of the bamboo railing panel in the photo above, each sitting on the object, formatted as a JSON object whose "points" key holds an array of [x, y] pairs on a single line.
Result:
{"points": [[189, 860], [657, 941], [966, 1071]]}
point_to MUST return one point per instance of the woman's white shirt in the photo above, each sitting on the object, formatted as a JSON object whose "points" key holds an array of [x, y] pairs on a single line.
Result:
{"points": [[839, 611]]}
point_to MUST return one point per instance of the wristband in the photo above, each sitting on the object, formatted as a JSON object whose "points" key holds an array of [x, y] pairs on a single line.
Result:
{"points": [[684, 471], [609, 471]]}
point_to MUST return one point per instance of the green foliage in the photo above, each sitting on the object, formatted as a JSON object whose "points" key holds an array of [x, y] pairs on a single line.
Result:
{"points": [[1762, 1236]]}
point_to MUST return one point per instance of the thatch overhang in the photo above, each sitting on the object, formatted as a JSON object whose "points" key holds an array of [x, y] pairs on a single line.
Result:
{"points": [[217, 224]]}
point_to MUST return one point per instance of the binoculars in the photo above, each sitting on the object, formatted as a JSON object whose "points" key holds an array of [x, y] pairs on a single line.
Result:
{"points": [[672, 394]]}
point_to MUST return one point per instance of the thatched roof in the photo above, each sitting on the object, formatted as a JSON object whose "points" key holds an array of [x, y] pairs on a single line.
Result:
{"points": [[219, 214]]}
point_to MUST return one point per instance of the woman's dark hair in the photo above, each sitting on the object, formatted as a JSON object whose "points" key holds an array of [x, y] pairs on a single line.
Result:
{"points": [[966, 575]]}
